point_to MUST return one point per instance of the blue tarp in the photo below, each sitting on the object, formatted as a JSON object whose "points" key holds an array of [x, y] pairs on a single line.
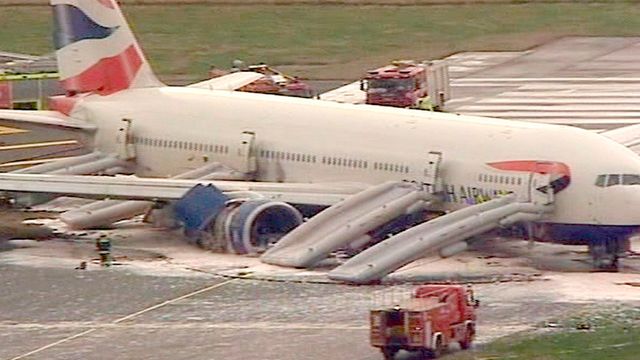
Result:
{"points": [[200, 205]]}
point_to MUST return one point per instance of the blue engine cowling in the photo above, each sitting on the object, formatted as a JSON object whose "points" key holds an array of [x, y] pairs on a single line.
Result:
{"points": [[249, 227]]}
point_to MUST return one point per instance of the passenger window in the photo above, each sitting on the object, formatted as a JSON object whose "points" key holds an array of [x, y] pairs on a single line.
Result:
{"points": [[614, 179]]}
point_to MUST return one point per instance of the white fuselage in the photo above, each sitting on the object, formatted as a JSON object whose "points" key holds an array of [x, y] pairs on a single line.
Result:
{"points": [[301, 140]]}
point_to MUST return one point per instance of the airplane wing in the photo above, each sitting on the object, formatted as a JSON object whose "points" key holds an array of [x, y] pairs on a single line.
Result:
{"points": [[51, 118], [350, 94], [228, 82], [135, 188], [628, 136], [31, 137]]}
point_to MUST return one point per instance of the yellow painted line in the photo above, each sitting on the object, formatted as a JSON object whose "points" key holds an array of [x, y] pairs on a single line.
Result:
{"points": [[39, 76], [5, 130], [123, 319], [32, 162], [37, 145]]}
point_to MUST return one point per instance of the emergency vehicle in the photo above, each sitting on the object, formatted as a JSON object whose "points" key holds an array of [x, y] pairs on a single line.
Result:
{"points": [[408, 84], [276, 82], [433, 318]]}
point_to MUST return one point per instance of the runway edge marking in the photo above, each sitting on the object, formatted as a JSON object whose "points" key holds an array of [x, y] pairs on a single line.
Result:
{"points": [[122, 319]]}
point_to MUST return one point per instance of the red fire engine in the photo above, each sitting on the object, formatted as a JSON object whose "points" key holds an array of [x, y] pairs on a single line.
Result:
{"points": [[275, 82], [407, 84], [434, 317]]}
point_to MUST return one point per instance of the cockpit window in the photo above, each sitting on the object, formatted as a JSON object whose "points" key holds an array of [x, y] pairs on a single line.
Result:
{"points": [[606, 180], [629, 179]]}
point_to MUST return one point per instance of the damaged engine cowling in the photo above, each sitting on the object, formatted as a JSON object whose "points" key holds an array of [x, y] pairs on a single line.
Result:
{"points": [[250, 226]]}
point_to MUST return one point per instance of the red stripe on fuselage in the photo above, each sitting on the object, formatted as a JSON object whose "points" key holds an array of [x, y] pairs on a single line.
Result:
{"points": [[107, 76], [107, 3], [540, 167]]}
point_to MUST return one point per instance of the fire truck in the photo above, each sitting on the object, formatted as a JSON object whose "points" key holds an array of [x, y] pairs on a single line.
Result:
{"points": [[433, 318], [408, 84], [276, 82]]}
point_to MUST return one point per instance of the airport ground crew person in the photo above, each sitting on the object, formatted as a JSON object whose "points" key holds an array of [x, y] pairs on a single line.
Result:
{"points": [[103, 245], [425, 104]]}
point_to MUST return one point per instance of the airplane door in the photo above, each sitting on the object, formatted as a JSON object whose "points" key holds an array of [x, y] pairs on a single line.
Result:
{"points": [[540, 190], [432, 171], [124, 140], [247, 153]]}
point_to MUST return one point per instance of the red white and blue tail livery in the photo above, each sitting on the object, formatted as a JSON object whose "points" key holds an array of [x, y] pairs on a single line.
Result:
{"points": [[96, 50]]}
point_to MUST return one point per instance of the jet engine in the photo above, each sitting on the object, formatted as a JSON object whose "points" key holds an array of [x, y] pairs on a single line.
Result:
{"points": [[250, 226]]}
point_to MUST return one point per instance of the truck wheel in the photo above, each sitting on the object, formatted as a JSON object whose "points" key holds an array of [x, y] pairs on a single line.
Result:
{"points": [[389, 353], [468, 338]]}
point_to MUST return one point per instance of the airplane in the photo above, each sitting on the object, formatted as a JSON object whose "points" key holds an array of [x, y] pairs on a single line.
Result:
{"points": [[268, 152]]}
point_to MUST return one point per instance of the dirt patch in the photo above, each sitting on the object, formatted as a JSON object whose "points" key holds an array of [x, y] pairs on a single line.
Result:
{"points": [[12, 226]]}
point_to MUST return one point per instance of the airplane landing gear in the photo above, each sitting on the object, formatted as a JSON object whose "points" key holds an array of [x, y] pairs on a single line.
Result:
{"points": [[606, 254]]}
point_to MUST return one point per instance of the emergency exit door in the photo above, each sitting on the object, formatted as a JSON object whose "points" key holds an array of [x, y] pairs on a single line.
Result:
{"points": [[247, 153], [540, 189], [432, 171]]}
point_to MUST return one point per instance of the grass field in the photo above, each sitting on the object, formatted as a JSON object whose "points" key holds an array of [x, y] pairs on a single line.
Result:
{"points": [[612, 334], [609, 343], [330, 42]]}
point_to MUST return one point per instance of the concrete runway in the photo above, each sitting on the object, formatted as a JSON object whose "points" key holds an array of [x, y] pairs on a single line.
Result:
{"points": [[55, 313], [166, 300], [592, 82]]}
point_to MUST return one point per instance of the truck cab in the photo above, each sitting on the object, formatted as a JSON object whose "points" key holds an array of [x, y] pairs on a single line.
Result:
{"points": [[396, 85], [407, 84]]}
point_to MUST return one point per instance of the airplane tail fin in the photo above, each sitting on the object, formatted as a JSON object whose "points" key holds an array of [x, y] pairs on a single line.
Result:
{"points": [[96, 49]]}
